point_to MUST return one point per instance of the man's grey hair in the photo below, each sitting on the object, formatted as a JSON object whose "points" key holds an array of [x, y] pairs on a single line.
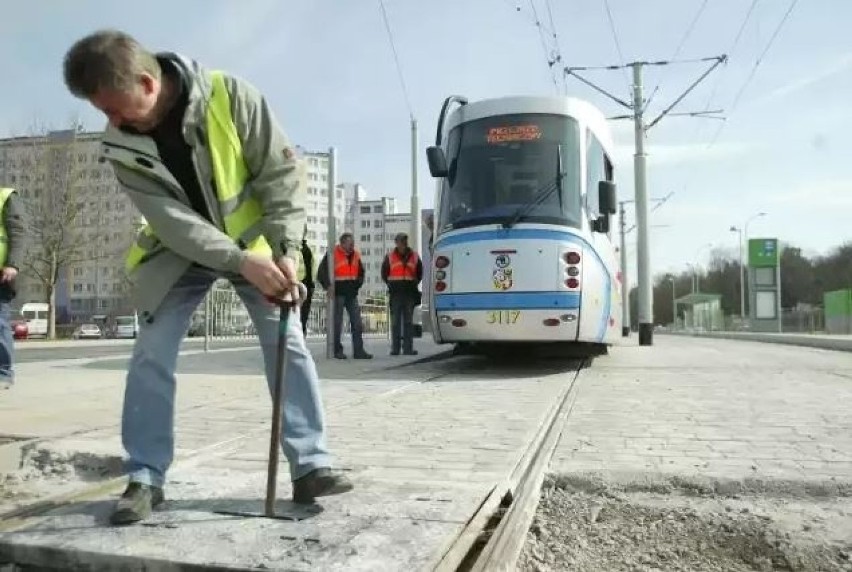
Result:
{"points": [[107, 59]]}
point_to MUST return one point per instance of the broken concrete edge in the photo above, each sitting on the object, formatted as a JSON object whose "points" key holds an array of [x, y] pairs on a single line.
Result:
{"points": [[803, 340], [600, 482], [20, 518], [56, 559], [13, 448]]}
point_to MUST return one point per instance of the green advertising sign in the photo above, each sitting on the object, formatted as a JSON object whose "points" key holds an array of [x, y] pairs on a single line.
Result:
{"points": [[763, 252]]}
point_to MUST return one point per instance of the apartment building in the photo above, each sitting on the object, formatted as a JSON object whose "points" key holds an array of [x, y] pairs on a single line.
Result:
{"points": [[75, 204], [346, 197], [375, 226]]}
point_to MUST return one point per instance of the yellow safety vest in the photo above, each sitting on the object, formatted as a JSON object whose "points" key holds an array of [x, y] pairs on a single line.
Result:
{"points": [[5, 193], [240, 211]]}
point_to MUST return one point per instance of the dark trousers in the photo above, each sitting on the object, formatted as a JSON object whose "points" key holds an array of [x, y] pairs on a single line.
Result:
{"points": [[305, 311], [402, 328], [350, 304]]}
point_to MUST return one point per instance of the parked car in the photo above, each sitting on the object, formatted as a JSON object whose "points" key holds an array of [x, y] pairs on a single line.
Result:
{"points": [[87, 332], [20, 330], [126, 326]]}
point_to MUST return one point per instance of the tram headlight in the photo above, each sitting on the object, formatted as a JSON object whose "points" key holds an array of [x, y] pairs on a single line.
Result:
{"points": [[572, 271], [440, 286], [442, 262], [572, 283], [440, 275]]}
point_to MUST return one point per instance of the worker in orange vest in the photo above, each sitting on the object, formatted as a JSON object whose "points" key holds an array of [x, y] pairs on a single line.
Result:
{"points": [[402, 271], [348, 279]]}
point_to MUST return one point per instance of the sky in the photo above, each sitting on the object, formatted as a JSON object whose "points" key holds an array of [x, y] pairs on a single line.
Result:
{"points": [[328, 71]]}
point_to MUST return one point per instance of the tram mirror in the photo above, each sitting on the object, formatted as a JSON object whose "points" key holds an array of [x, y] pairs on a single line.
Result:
{"points": [[437, 161], [607, 197], [601, 224]]}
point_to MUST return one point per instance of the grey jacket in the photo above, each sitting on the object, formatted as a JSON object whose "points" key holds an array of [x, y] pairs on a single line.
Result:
{"points": [[185, 236]]}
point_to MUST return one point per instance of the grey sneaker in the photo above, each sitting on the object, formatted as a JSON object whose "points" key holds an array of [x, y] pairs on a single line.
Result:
{"points": [[319, 483], [136, 503]]}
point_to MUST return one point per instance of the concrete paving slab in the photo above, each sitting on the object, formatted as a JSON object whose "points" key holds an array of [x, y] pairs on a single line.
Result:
{"points": [[423, 451], [380, 524], [695, 406]]}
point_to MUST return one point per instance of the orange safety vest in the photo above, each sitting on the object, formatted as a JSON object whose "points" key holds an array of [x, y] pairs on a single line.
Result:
{"points": [[343, 269], [402, 271]]}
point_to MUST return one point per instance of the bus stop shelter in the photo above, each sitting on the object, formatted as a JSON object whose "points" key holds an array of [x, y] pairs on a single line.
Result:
{"points": [[702, 312]]}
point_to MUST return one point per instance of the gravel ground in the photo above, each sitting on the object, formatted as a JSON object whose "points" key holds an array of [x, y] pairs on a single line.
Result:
{"points": [[585, 523]]}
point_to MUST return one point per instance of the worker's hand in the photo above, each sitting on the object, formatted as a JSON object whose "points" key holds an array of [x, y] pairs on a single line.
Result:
{"points": [[265, 275], [8, 274], [292, 293]]}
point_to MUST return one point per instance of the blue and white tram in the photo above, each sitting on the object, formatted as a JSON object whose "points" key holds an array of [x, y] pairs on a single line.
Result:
{"points": [[522, 250]]}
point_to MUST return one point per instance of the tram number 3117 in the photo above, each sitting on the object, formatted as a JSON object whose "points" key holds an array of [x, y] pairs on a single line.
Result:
{"points": [[506, 317]]}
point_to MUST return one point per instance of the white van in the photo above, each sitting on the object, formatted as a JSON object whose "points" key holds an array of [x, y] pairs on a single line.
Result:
{"points": [[126, 326], [35, 315]]}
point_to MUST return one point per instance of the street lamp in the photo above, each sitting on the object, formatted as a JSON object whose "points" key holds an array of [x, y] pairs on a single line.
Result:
{"points": [[698, 264], [691, 266], [743, 238]]}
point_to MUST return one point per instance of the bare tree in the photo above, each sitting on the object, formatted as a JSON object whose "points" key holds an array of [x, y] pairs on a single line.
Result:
{"points": [[67, 222]]}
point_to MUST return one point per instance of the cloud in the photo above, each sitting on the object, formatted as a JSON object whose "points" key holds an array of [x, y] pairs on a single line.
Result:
{"points": [[839, 65], [825, 194], [670, 155]]}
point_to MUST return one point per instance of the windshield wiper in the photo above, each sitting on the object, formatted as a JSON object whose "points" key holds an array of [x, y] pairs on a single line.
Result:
{"points": [[543, 193]]}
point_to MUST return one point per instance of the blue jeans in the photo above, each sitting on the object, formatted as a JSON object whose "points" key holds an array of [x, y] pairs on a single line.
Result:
{"points": [[148, 418], [7, 345]]}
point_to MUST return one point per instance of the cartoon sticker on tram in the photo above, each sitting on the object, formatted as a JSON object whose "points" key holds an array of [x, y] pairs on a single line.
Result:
{"points": [[502, 275]]}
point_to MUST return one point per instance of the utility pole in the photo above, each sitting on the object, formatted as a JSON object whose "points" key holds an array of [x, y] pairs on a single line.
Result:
{"points": [[625, 282], [643, 259], [329, 252], [637, 108], [414, 240]]}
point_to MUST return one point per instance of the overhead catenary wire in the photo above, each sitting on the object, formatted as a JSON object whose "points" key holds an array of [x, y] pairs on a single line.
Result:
{"points": [[621, 59], [558, 58], [396, 59], [552, 53], [547, 54], [680, 45], [754, 68], [731, 50]]}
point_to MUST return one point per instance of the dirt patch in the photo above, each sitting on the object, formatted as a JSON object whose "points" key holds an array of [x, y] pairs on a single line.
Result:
{"points": [[585, 523]]}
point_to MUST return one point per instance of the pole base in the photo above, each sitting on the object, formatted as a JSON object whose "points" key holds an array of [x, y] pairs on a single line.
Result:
{"points": [[625, 332], [646, 334]]}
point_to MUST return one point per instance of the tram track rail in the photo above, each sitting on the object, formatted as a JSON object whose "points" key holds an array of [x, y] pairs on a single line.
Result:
{"points": [[494, 536]]}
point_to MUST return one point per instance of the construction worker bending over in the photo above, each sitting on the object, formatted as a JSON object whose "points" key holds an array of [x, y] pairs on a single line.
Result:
{"points": [[402, 271], [348, 279], [203, 159]]}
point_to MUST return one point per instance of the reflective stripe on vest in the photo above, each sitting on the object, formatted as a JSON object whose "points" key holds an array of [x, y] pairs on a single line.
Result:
{"points": [[400, 270], [5, 193], [240, 211], [343, 269]]}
